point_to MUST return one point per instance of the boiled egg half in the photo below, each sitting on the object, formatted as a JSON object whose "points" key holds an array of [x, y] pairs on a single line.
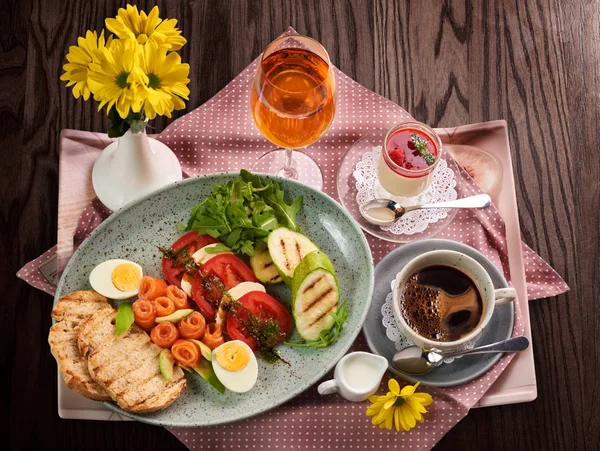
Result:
{"points": [[117, 279], [235, 365]]}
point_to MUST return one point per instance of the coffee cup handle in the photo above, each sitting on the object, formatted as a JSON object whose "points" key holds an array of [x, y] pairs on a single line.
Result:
{"points": [[328, 387], [505, 295]]}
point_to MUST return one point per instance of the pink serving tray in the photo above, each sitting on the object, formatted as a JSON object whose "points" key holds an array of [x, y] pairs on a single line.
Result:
{"points": [[79, 150]]}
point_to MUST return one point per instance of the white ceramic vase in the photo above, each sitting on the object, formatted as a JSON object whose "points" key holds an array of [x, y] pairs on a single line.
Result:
{"points": [[132, 166]]}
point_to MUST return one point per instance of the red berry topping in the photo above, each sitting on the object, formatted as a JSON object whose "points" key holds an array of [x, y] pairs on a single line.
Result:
{"points": [[411, 145], [397, 156]]}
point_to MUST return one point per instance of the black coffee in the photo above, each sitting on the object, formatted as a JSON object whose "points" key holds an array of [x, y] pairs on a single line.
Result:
{"points": [[441, 303]]}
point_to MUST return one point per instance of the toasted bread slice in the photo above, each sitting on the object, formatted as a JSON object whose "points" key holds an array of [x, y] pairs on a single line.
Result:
{"points": [[70, 311], [127, 366]]}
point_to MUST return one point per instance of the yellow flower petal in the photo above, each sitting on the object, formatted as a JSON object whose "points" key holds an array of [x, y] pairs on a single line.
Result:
{"points": [[422, 398], [389, 419], [389, 403], [408, 390], [80, 59], [408, 416], [146, 28], [394, 386], [416, 405], [401, 420]]}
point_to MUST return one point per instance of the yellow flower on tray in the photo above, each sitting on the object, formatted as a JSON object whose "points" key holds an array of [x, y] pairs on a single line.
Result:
{"points": [[79, 58], [167, 80], [116, 78], [132, 24], [402, 409]]}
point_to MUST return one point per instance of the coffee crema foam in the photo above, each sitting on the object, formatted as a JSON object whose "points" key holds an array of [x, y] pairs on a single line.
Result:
{"points": [[441, 303]]}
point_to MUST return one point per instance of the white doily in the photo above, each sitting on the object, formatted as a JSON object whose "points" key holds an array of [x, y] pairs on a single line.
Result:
{"points": [[442, 188], [394, 334]]}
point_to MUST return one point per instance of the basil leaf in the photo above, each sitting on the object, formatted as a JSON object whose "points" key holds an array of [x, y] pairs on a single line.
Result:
{"points": [[125, 318], [219, 247]]}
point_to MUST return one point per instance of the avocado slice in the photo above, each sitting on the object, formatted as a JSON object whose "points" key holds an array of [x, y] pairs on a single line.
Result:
{"points": [[176, 316], [204, 350], [205, 369], [187, 369], [166, 362]]}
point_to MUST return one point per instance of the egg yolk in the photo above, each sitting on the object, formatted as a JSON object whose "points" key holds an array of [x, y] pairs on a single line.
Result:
{"points": [[233, 356], [126, 277]]}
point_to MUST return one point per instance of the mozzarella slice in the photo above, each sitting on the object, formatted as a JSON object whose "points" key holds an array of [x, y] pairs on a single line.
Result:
{"points": [[201, 256], [236, 293], [186, 284], [244, 288]]}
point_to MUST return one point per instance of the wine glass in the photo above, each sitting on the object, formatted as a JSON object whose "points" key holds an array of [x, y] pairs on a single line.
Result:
{"points": [[292, 100]]}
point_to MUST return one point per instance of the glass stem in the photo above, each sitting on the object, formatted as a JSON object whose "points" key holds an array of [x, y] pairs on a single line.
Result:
{"points": [[288, 170]]}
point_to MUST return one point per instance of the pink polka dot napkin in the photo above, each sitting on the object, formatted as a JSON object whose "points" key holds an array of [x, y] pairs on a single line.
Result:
{"points": [[220, 136]]}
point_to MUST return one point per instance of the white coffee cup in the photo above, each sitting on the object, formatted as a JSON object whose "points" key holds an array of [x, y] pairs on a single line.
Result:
{"points": [[490, 297], [356, 377]]}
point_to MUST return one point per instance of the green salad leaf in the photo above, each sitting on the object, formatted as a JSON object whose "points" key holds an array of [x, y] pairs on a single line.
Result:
{"points": [[244, 212], [329, 336], [219, 247], [125, 318]]}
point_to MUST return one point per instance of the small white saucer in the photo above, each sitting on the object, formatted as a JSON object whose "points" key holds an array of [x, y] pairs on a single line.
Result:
{"points": [[348, 193]]}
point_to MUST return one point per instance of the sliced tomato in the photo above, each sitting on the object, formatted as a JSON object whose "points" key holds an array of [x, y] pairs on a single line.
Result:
{"points": [[229, 269], [173, 268], [264, 307], [236, 331], [207, 293]]}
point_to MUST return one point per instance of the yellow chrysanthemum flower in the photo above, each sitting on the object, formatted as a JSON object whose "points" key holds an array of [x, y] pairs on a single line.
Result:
{"points": [[117, 79], [79, 59], [399, 408], [167, 80], [131, 24]]}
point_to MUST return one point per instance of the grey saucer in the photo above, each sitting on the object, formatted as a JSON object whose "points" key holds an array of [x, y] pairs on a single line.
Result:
{"points": [[460, 370]]}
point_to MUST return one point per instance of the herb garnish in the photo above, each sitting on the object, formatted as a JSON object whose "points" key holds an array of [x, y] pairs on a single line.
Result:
{"points": [[272, 356], [179, 258], [244, 212], [265, 332], [421, 147], [329, 336]]}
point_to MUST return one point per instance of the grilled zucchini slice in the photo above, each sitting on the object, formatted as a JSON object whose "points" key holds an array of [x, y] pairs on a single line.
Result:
{"points": [[263, 267], [287, 249], [315, 294]]}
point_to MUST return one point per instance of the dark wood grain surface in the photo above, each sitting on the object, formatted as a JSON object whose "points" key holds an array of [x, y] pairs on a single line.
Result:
{"points": [[533, 63]]}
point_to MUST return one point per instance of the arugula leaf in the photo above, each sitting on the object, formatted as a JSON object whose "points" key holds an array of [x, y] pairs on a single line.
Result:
{"points": [[244, 212], [125, 318], [329, 336]]}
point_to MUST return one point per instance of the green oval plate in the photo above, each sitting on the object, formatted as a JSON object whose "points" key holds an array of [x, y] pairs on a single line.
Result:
{"points": [[135, 232]]}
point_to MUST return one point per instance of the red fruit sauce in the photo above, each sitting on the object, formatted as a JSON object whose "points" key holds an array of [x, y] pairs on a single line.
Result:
{"points": [[401, 149]]}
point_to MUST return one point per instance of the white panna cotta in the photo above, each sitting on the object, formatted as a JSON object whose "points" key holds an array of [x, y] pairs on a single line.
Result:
{"points": [[410, 154]]}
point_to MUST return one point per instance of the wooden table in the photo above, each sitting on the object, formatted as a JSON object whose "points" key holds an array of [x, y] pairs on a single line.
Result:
{"points": [[534, 64]]}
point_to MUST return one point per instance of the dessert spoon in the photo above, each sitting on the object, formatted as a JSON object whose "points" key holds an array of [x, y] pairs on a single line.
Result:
{"points": [[414, 360], [384, 212]]}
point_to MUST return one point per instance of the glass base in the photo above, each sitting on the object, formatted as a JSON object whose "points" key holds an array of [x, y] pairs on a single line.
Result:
{"points": [[304, 168]]}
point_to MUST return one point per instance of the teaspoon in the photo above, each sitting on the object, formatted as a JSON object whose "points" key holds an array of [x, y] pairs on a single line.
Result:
{"points": [[414, 360], [384, 212]]}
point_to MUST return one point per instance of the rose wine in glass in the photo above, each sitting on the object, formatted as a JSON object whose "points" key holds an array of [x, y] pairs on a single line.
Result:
{"points": [[293, 103]]}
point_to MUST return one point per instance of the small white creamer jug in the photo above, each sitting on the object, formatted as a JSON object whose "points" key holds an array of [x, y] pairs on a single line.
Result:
{"points": [[356, 377]]}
